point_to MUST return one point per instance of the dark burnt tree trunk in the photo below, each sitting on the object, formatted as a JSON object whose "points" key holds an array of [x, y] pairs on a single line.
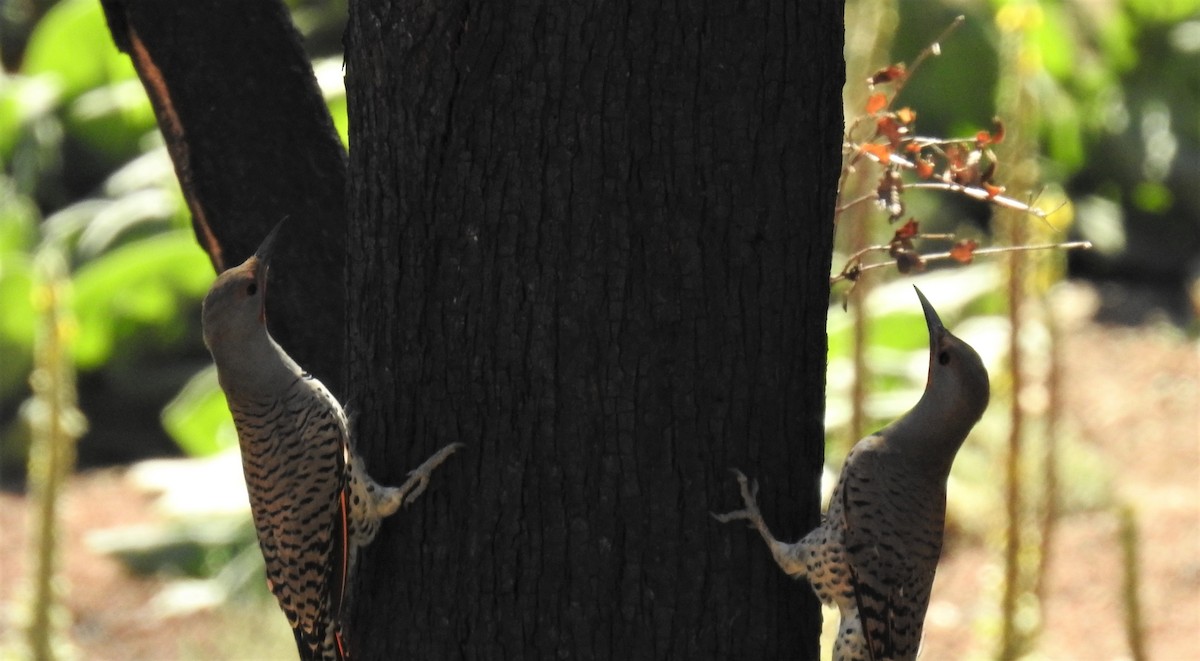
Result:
{"points": [[592, 242]]}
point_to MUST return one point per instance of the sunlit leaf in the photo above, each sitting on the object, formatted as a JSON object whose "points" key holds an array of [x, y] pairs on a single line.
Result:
{"points": [[72, 45], [16, 287], [143, 283], [148, 207], [18, 219], [198, 418], [23, 99], [112, 119], [17, 322], [330, 79]]}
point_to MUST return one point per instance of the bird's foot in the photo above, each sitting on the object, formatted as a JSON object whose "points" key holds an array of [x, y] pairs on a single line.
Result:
{"points": [[750, 512], [781, 552], [418, 478]]}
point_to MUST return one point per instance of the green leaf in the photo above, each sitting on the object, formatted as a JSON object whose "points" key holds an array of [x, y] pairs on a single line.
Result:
{"points": [[17, 323], [147, 282], [18, 220], [329, 77], [198, 418], [112, 119], [22, 100], [72, 46], [1056, 41]]}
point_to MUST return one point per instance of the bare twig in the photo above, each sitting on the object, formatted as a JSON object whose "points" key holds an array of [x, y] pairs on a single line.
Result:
{"points": [[932, 50], [854, 266], [980, 194]]}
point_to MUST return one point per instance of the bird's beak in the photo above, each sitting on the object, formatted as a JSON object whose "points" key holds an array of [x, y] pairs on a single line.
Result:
{"points": [[263, 254], [262, 257], [932, 321], [268, 244]]}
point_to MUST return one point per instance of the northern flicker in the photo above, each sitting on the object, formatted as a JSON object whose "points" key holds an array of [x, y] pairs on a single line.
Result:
{"points": [[877, 548], [312, 501]]}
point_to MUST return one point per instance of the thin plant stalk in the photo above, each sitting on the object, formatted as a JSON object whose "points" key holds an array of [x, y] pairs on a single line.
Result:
{"points": [[1016, 103], [56, 424], [1131, 598], [867, 47]]}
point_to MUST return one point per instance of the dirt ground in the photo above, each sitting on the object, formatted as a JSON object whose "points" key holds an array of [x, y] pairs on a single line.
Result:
{"points": [[1133, 394]]}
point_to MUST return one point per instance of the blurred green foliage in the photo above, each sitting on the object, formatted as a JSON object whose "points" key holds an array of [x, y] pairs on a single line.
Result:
{"points": [[84, 169], [1118, 93]]}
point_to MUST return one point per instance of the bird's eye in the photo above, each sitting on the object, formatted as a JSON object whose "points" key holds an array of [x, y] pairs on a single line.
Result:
{"points": [[252, 289], [944, 358]]}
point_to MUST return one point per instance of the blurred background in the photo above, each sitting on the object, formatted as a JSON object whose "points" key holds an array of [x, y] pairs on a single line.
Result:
{"points": [[1074, 517]]}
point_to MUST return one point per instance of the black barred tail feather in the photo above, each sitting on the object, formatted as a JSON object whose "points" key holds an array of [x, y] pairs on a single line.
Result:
{"points": [[329, 647]]}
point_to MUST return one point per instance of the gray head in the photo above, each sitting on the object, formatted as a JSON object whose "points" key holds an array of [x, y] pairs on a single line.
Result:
{"points": [[235, 321], [955, 397]]}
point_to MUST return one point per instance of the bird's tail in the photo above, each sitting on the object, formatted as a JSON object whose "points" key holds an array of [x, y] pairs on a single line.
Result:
{"points": [[329, 647]]}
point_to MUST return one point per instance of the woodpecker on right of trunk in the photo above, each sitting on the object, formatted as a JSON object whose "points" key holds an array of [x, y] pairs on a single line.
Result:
{"points": [[876, 551]]}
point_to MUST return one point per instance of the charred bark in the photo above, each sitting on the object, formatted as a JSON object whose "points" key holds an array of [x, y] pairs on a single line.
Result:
{"points": [[592, 242]]}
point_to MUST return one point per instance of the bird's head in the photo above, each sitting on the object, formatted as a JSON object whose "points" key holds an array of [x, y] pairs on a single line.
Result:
{"points": [[958, 381], [235, 306]]}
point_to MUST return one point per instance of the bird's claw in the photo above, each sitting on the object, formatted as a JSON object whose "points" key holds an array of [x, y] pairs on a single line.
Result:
{"points": [[749, 491], [418, 478]]}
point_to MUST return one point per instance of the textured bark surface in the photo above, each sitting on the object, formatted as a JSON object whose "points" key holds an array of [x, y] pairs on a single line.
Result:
{"points": [[592, 243], [252, 143]]}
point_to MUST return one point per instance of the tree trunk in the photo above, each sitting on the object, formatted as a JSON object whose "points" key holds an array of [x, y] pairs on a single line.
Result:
{"points": [[592, 243], [252, 143]]}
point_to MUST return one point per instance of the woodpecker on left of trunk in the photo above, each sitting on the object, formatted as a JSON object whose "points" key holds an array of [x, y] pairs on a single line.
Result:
{"points": [[313, 503]]}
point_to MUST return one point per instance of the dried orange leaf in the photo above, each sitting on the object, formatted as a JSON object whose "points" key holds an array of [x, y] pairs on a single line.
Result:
{"points": [[964, 251], [993, 190], [908, 230], [888, 74], [997, 130], [888, 128], [876, 102], [907, 262], [882, 153], [924, 168]]}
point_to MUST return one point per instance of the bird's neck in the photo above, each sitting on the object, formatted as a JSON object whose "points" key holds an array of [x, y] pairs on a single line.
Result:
{"points": [[259, 368], [931, 433]]}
